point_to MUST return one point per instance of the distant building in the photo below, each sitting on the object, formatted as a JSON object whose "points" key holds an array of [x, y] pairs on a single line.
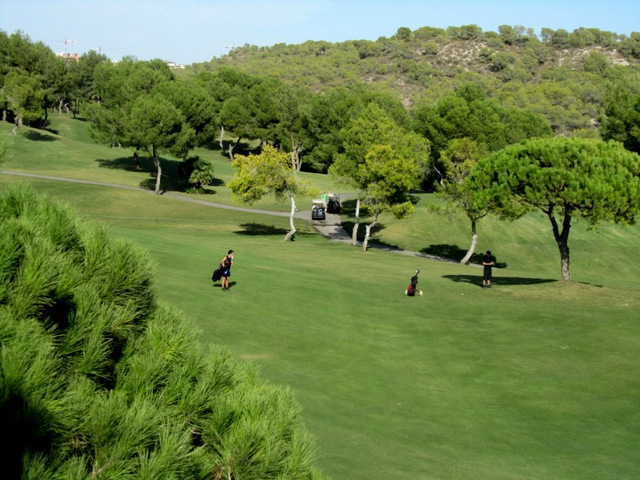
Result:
{"points": [[69, 56], [173, 64]]}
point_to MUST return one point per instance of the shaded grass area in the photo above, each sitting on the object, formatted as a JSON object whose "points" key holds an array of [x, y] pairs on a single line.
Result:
{"points": [[533, 378]]}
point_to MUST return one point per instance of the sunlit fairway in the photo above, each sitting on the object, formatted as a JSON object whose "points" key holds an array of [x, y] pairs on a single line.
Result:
{"points": [[534, 378]]}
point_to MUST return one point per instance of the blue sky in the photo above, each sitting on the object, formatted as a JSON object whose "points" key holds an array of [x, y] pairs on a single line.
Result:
{"points": [[188, 31]]}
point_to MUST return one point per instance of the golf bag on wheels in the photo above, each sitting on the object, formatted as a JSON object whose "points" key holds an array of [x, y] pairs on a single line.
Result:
{"points": [[412, 289]]}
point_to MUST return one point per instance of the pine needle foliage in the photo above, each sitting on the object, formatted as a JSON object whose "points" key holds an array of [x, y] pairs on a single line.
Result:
{"points": [[97, 379]]}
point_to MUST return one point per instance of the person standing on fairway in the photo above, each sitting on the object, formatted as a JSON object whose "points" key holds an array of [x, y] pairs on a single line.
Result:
{"points": [[226, 264], [487, 263]]}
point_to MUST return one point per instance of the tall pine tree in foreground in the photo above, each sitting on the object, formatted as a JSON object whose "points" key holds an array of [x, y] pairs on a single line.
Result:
{"points": [[97, 379]]}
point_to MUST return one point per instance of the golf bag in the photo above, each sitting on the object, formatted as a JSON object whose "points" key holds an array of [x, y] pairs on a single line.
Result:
{"points": [[217, 274], [412, 289]]}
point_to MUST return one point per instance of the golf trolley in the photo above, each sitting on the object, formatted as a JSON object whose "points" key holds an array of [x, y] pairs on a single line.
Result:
{"points": [[318, 210], [333, 203]]}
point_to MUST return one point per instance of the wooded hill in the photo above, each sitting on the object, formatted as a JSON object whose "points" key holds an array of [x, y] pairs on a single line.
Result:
{"points": [[493, 88], [560, 74]]}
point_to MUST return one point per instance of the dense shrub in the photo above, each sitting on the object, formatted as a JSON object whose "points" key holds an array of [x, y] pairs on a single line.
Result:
{"points": [[97, 379]]}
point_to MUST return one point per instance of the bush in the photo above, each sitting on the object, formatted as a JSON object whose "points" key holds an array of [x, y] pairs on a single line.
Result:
{"points": [[97, 379], [197, 173]]}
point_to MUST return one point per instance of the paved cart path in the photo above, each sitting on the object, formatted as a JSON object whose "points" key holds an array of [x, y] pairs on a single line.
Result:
{"points": [[331, 228]]}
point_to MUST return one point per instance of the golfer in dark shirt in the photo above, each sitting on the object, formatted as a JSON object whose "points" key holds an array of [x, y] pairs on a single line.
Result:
{"points": [[487, 263], [226, 263]]}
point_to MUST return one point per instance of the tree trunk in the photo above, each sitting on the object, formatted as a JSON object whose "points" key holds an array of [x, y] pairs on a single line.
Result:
{"points": [[562, 239], [474, 241], [156, 162], [564, 261], [221, 141], [232, 146], [356, 225], [441, 181], [367, 234], [295, 154], [294, 164], [14, 131], [291, 224]]}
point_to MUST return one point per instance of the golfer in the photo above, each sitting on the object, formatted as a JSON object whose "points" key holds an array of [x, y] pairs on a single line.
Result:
{"points": [[226, 263], [487, 263]]}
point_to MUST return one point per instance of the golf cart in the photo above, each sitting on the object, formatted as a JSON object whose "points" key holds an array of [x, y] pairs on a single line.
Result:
{"points": [[318, 210], [333, 203]]}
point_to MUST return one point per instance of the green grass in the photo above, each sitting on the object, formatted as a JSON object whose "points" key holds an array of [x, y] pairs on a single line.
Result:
{"points": [[66, 150], [526, 246], [534, 378], [522, 381]]}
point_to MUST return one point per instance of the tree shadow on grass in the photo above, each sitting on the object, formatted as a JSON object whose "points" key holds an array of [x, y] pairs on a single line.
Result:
{"points": [[452, 252], [497, 280], [455, 253], [444, 254], [124, 163], [216, 182], [374, 242], [170, 168], [255, 229], [171, 177], [39, 137], [348, 226]]}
